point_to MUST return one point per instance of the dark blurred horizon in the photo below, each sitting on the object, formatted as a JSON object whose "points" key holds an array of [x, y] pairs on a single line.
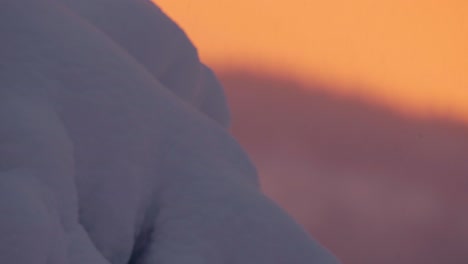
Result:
{"points": [[372, 184]]}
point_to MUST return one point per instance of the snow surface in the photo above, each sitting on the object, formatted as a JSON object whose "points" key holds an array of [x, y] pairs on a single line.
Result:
{"points": [[113, 147]]}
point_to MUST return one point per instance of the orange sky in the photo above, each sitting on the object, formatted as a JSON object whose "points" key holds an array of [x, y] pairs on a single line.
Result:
{"points": [[412, 54]]}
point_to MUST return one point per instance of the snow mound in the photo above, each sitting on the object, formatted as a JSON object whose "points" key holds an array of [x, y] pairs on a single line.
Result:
{"points": [[113, 147]]}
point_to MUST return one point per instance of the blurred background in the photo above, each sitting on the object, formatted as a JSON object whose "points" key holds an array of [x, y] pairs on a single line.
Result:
{"points": [[355, 112]]}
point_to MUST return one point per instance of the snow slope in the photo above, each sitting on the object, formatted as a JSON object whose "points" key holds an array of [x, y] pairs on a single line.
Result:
{"points": [[108, 148]]}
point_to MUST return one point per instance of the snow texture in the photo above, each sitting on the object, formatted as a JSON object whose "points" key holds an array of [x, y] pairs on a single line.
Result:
{"points": [[113, 147]]}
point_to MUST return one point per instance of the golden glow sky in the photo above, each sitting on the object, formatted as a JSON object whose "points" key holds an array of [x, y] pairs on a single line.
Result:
{"points": [[412, 54]]}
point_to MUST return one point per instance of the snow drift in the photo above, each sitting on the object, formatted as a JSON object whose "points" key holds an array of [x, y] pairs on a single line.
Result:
{"points": [[113, 147]]}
